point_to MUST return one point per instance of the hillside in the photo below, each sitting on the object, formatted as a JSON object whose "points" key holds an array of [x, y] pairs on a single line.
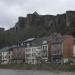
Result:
{"points": [[35, 25]]}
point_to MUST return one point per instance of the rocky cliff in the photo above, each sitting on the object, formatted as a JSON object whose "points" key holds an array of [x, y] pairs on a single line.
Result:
{"points": [[49, 23]]}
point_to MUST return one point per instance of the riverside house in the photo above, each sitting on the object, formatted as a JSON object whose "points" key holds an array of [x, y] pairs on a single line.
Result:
{"points": [[61, 48], [12, 55], [68, 42], [45, 49], [32, 51], [5, 55], [55, 48], [36, 50], [18, 55]]}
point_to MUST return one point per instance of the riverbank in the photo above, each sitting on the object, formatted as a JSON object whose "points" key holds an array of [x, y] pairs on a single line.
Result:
{"points": [[50, 67]]}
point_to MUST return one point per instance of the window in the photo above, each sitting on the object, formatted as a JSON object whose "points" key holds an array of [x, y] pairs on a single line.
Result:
{"points": [[27, 50], [44, 42], [32, 60], [5, 56], [44, 51], [28, 55], [9, 56], [28, 44], [56, 49], [44, 48], [33, 54], [33, 50], [26, 60]]}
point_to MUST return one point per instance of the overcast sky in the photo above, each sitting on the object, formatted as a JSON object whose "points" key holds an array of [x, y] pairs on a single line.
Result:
{"points": [[10, 10]]}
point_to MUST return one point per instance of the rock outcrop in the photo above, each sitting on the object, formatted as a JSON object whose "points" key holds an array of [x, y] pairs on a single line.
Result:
{"points": [[50, 23]]}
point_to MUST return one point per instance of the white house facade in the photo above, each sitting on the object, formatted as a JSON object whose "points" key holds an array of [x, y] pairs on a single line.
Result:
{"points": [[31, 55]]}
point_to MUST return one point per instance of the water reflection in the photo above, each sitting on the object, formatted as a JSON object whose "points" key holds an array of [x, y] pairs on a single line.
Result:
{"points": [[32, 72]]}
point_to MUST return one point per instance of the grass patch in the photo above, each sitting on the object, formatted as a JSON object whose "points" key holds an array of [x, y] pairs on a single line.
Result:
{"points": [[51, 67]]}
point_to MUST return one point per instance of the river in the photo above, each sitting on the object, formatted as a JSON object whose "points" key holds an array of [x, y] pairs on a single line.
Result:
{"points": [[32, 72]]}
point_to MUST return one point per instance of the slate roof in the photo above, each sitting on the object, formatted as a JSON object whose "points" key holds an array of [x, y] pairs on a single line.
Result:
{"points": [[39, 41], [54, 38], [29, 39], [7, 48]]}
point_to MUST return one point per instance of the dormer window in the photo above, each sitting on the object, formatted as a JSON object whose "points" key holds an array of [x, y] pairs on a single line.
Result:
{"points": [[44, 42], [28, 44]]}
